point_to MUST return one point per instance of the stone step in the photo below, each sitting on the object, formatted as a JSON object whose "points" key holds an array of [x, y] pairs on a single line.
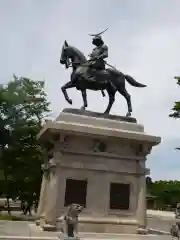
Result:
{"points": [[95, 237]]}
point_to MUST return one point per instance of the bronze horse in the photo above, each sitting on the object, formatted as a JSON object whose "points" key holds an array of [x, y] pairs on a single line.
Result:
{"points": [[115, 80]]}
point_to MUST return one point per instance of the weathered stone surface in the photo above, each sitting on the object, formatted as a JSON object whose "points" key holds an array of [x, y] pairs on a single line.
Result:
{"points": [[99, 115], [101, 151], [27, 230]]}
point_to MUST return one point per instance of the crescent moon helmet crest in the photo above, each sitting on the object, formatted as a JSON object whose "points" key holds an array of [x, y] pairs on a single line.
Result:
{"points": [[98, 34]]}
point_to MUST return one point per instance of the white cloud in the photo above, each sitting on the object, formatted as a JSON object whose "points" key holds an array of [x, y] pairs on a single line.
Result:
{"points": [[164, 160], [143, 40]]}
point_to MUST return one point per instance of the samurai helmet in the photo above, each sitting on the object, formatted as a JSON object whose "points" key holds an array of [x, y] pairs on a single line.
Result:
{"points": [[97, 37]]}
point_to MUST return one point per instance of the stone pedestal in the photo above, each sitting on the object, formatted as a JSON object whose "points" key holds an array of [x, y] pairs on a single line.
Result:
{"points": [[43, 196], [104, 157]]}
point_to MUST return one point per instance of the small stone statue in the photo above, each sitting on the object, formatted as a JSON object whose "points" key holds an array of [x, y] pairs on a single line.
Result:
{"points": [[177, 212], [71, 220], [175, 228]]}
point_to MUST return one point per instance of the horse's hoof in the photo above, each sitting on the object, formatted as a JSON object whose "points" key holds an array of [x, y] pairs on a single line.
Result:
{"points": [[106, 113], [128, 114], [82, 108], [70, 101]]}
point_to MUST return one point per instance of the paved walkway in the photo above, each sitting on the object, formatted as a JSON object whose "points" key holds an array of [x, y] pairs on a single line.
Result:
{"points": [[84, 238], [162, 214], [159, 220], [25, 230]]}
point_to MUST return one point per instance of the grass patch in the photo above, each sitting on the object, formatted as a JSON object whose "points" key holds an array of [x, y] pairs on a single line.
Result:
{"points": [[6, 217]]}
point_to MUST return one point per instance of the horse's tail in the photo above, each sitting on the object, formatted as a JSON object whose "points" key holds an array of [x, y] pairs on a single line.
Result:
{"points": [[133, 82]]}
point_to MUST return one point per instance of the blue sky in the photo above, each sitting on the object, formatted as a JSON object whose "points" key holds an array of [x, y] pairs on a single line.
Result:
{"points": [[144, 42]]}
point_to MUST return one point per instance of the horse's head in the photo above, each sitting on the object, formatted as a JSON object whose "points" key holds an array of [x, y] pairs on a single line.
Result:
{"points": [[65, 54], [70, 52]]}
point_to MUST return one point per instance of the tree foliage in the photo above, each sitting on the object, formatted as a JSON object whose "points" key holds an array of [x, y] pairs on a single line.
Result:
{"points": [[176, 107], [167, 193], [23, 105]]}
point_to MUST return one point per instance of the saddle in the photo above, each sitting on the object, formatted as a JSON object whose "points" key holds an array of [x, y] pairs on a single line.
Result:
{"points": [[99, 75], [91, 74]]}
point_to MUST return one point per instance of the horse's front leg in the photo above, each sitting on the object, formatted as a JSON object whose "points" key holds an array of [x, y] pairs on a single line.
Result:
{"points": [[64, 87], [84, 96]]}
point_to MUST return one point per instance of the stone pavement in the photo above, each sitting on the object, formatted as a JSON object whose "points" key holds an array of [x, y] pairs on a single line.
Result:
{"points": [[160, 220], [157, 220], [122, 237], [161, 214], [24, 230], [159, 224]]}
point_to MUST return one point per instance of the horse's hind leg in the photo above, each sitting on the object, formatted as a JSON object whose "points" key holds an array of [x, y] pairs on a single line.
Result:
{"points": [[64, 87], [128, 99], [84, 96]]}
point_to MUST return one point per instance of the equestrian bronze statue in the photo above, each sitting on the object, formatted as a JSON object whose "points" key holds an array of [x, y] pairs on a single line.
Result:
{"points": [[92, 73]]}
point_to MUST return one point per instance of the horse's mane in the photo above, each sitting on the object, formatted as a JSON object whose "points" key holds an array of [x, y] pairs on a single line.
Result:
{"points": [[79, 53]]}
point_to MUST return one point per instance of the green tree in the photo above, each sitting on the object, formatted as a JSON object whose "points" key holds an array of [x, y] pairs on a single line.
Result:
{"points": [[167, 193], [176, 108], [23, 107], [148, 182]]}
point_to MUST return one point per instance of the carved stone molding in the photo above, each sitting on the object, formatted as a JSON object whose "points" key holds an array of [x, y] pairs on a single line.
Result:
{"points": [[63, 142], [52, 168], [49, 167], [143, 149], [121, 147], [147, 148], [99, 146], [45, 169]]}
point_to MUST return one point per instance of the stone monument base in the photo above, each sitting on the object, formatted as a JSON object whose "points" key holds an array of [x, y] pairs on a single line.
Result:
{"points": [[104, 225], [98, 225], [98, 162], [40, 235]]}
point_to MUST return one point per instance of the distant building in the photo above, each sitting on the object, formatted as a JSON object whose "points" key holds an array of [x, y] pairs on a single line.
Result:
{"points": [[150, 201]]}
